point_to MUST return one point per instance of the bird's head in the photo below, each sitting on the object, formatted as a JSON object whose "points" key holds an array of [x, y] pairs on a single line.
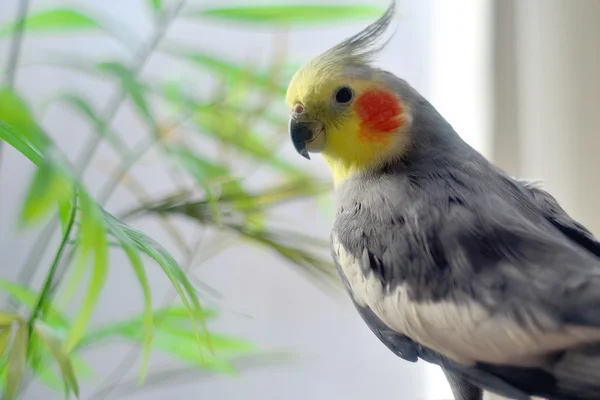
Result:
{"points": [[348, 110]]}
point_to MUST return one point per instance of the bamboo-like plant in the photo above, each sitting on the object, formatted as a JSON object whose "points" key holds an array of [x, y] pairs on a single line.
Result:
{"points": [[39, 339]]}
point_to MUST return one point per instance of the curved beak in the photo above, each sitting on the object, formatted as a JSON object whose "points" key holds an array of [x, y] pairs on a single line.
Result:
{"points": [[306, 136]]}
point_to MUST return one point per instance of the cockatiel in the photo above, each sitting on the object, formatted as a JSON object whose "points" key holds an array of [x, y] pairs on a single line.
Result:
{"points": [[447, 258]]}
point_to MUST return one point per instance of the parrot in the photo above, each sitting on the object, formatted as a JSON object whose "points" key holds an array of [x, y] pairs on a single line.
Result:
{"points": [[446, 257]]}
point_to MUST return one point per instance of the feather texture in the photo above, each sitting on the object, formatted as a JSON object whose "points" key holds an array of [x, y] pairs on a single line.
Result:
{"points": [[486, 275]]}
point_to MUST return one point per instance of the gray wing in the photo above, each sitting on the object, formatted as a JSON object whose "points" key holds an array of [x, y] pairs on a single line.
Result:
{"points": [[561, 254], [517, 255], [553, 212], [534, 263], [462, 388]]}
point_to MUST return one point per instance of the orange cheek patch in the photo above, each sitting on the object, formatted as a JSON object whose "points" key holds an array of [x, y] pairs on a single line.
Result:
{"points": [[379, 112]]}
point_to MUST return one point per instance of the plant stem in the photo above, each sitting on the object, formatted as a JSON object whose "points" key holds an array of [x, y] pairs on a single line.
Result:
{"points": [[15, 50], [34, 258], [40, 245], [15, 47], [139, 62], [50, 276], [134, 156]]}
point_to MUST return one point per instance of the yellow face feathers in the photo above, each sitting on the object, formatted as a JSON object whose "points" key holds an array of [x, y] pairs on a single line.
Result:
{"points": [[362, 132], [342, 107]]}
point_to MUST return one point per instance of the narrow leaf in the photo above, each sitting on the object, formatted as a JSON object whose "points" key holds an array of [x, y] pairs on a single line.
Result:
{"points": [[15, 114], [75, 276], [41, 363], [65, 207], [178, 279], [50, 186], [20, 144], [62, 20], [290, 14], [17, 360], [6, 319], [204, 171], [227, 126], [156, 5], [28, 298], [222, 344], [93, 242], [182, 346], [60, 356], [177, 316], [229, 69], [4, 337], [52, 379], [138, 267]]}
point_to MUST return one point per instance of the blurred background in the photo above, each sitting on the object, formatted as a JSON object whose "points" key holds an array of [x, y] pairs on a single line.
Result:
{"points": [[171, 114]]}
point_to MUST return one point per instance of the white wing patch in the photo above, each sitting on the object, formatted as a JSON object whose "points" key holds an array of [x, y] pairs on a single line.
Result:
{"points": [[465, 333]]}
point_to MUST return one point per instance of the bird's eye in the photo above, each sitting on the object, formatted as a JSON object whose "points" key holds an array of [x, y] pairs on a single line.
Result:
{"points": [[343, 95]]}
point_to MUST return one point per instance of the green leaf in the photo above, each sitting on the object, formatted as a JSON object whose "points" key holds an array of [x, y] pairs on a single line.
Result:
{"points": [[222, 344], [293, 247], [204, 171], [50, 185], [6, 319], [17, 359], [28, 298], [73, 282], [226, 126], [234, 199], [138, 267], [227, 69], [61, 356], [15, 114], [65, 207], [181, 344], [4, 337], [156, 5], [52, 379], [176, 275], [177, 316], [40, 364], [82, 369], [47, 375], [61, 20], [21, 144], [290, 14], [130, 85], [178, 94], [229, 126], [92, 241]]}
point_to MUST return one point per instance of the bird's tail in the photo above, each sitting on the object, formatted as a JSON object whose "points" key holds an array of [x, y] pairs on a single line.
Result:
{"points": [[577, 373]]}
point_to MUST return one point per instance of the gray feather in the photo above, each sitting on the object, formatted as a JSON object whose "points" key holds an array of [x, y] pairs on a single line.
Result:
{"points": [[359, 49], [453, 228], [462, 388]]}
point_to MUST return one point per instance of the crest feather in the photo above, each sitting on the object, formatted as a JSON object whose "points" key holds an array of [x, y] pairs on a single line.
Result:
{"points": [[362, 47]]}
